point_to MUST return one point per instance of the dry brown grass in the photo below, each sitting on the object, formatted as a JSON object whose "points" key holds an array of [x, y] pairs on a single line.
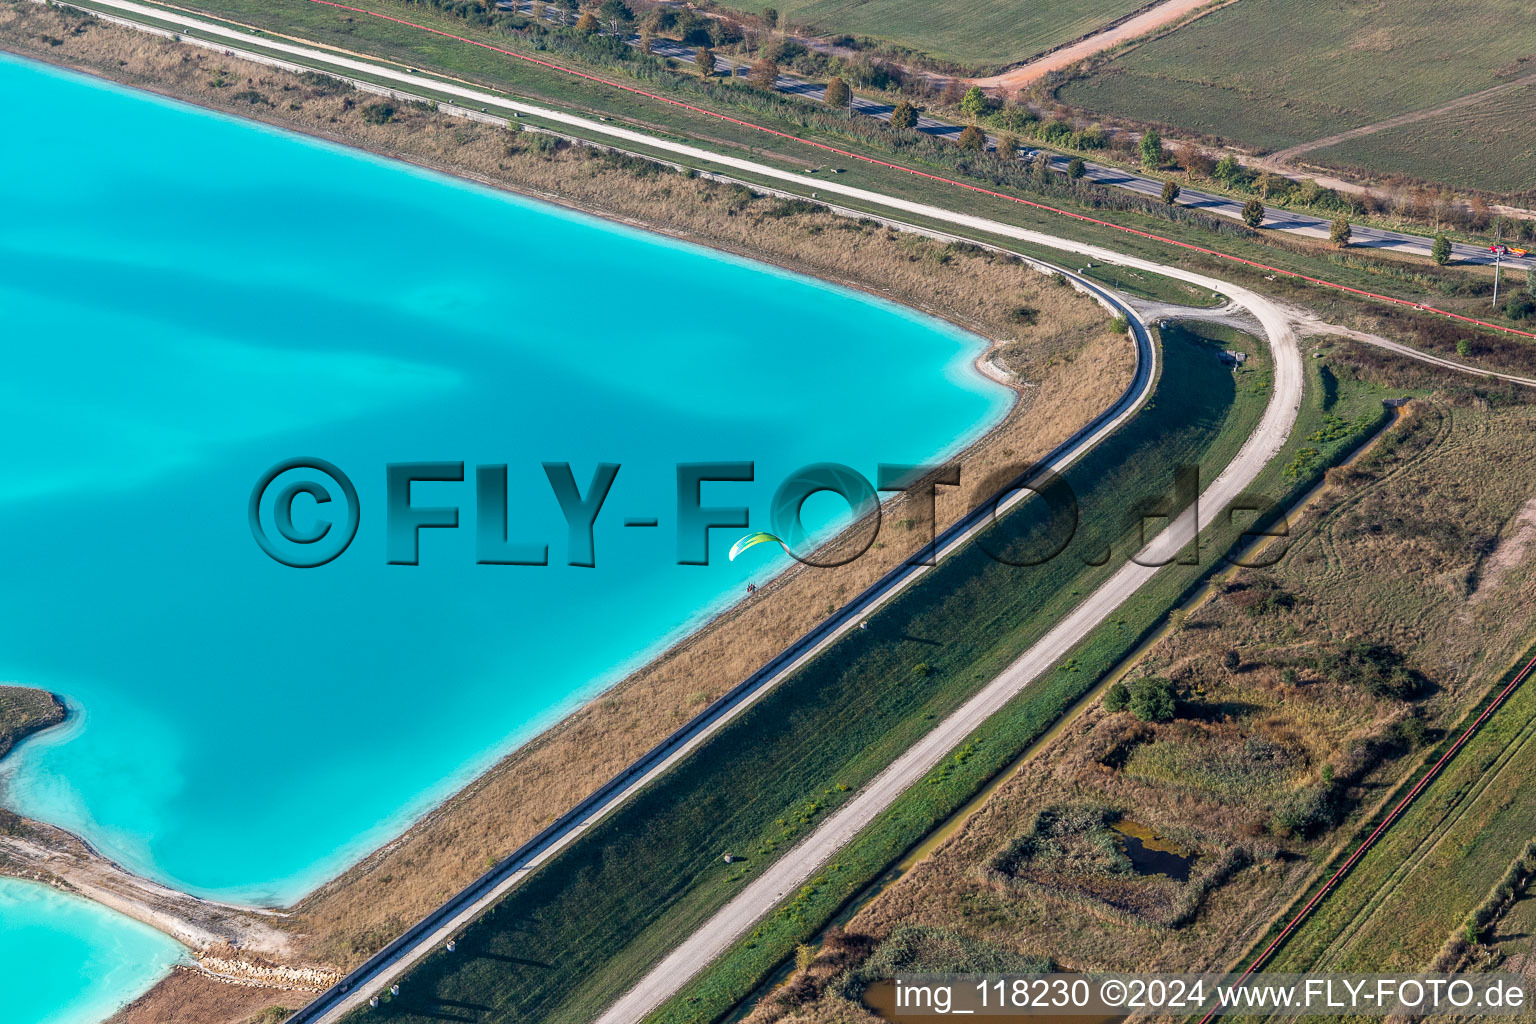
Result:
{"points": [[1390, 554], [187, 997], [1073, 364]]}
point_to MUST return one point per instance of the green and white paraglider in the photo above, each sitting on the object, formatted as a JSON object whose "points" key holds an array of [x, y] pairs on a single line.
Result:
{"points": [[751, 540]]}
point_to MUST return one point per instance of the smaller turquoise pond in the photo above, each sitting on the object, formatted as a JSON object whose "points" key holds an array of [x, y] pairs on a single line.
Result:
{"points": [[83, 961]]}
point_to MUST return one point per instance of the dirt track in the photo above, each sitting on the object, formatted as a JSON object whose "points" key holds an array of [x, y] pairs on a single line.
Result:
{"points": [[1163, 14], [1285, 156]]}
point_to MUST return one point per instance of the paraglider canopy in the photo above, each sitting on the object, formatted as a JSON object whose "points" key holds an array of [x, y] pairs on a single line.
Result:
{"points": [[752, 540]]}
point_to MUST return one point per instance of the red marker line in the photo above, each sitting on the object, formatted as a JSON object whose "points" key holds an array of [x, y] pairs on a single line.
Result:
{"points": [[924, 174], [1385, 822]]}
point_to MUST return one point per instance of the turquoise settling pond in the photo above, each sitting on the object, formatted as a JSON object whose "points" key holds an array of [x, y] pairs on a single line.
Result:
{"points": [[190, 299], [69, 961]]}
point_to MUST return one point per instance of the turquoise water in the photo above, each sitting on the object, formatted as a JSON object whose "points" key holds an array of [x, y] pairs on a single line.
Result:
{"points": [[190, 299], [68, 960]]}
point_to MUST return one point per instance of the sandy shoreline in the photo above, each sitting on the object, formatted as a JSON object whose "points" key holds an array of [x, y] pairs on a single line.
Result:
{"points": [[537, 777]]}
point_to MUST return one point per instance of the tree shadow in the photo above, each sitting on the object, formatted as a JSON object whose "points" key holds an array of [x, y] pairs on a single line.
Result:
{"points": [[503, 958]]}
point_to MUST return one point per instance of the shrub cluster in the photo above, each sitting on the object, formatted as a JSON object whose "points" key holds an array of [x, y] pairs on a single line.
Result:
{"points": [[1150, 698]]}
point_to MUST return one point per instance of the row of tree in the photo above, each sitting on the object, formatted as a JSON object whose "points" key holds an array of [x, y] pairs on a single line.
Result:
{"points": [[618, 18]]}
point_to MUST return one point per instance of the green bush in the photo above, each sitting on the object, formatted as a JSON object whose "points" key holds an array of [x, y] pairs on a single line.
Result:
{"points": [[1117, 697], [1309, 810], [1054, 133], [1375, 668], [1520, 307], [1441, 250], [379, 113], [1152, 699], [974, 103], [1014, 119]]}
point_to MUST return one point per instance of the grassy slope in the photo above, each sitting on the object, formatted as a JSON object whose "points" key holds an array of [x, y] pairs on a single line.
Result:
{"points": [[969, 32], [583, 929], [1156, 287], [1398, 905], [1274, 73]]}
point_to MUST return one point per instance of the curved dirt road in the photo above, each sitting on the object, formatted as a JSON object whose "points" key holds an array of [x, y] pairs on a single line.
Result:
{"points": [[797, 866]]}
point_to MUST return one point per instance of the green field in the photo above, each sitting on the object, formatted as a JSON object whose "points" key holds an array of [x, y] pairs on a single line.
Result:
{"points": [[581, 930], [1274, 73], [1157, 287], [973, 33], [1491, 145], [1397, 907]]}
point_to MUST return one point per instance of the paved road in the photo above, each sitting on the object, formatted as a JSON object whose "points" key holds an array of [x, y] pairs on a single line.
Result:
{"points": [[1277, 219], [1308, 225]]}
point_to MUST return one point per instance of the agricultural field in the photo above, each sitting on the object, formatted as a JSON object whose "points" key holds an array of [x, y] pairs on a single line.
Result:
{"points": [[1274, 73], [1304, 692], [1490, 146], [976, 34]]}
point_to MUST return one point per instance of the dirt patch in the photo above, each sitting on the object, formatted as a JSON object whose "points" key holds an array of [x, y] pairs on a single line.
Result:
{"points": [[1511, 551], [188, 997], [1160, 16]]}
